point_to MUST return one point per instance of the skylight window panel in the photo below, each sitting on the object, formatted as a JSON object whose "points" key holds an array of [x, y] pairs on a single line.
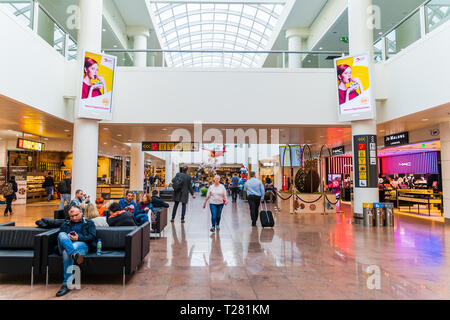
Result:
{"points": [[195, 28], [219, 27], [232, 29], [263, 16], [165, 15], [179, 9], [221, 7], [278, 9], [207, 6], [208, 27], [196, 37], [234, 18], [193, 7], [207, 17], [259, 27], [249, 10], [246, 22], [181, 22], [220, 17], [237, 8], [194, 18], [230, 38]]}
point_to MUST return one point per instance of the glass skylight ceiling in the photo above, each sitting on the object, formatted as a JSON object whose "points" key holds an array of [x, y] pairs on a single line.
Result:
{"points": [[244, 26]]}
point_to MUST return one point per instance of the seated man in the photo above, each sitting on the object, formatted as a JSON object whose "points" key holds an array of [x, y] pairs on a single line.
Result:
{"points": [[157, 201], [118, 217], [80, 200], [75, 237], [128, 203]]}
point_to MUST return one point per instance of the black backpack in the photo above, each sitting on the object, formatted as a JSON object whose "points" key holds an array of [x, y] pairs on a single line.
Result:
{"points": [[177, 183], [62, 187]]}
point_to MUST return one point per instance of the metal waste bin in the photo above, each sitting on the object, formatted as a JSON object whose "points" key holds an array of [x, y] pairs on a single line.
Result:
{"points": [[378, 214], [388, 214], [368, 214]]}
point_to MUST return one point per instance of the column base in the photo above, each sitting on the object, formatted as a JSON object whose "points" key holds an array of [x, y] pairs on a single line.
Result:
{"points": [[358, 218]]}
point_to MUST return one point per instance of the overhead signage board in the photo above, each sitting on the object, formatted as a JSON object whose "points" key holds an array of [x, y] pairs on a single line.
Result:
{"points": [[29, 145], [354, 88], [170, 146], [291, 155], [365, 166], [337, 151], [397, 139], [97, 86]]}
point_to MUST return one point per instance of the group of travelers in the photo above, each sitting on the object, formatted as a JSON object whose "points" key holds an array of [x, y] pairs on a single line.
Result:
{"points": [[77, 234]]}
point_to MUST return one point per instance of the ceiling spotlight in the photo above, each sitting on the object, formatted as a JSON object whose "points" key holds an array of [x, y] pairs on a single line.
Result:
{"points": [[104, 143], [104, 30], [129, 140], [320, 48], [66, 130], [115, 46], [425, 119], [105, 128], [45, 138], [25, 117], [119, 135]]}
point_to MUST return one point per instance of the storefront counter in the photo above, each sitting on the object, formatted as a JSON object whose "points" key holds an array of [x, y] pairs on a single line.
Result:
{"points": [[111, 191]]}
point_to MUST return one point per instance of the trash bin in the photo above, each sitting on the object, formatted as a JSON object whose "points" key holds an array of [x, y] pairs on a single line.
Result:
{"points": [[368, 214], [388, 214], [378, 213]]}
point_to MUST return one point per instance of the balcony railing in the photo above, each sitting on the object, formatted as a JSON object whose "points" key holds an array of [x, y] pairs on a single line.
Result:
{"points": [[36, 17], [413, 27], [224, 58]]}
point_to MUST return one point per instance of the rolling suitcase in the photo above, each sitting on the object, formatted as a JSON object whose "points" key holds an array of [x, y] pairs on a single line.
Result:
{"points": [[266, 218]]}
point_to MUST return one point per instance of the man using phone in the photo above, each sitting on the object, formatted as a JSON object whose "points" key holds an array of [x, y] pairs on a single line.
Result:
{"points": [[75, 237], [128, 203]]}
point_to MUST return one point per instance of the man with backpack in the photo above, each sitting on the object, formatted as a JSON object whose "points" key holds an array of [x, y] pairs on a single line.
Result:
{"points": [[9, 192], [182, 186], [65, 188]]}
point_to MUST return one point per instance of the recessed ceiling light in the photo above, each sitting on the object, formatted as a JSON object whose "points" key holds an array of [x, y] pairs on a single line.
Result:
{"points": [[119, 135], [105, 128], [320, 48], [115, 46], [45, 138], [104, 30], [104, 143], [382, 130], [380, 33], [114, 146], [9, 130], [129, 140], [66, 130], [322, 136], [425, 119], [25, 117], [164, 129]]}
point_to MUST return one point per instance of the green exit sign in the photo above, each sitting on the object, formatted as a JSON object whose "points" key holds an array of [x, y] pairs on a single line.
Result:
{"points": [[344, 39], [424, 145]]}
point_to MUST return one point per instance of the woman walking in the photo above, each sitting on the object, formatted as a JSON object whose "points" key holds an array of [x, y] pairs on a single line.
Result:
{"points": [[9, 192], [218, 196]]}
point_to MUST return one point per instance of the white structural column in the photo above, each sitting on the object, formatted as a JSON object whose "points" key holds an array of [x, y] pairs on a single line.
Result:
{"points": [[140, 38], [296, 42], [361, 41], [444, 129], [85, 132], [136, 167], [124, 169], [169, 167]]}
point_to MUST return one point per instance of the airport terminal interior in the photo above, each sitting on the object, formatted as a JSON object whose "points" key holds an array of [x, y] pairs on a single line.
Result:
{"points": [[308, 142]]}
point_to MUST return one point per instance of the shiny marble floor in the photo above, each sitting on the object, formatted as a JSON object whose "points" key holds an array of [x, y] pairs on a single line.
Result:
{"points": [[307, 256]]}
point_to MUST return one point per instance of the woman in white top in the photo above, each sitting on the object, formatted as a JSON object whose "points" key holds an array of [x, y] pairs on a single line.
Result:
{"points": [[91, 213], [217, 196]]}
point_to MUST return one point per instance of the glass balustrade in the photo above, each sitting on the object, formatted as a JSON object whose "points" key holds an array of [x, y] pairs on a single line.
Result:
{"points": [[436, 12]]}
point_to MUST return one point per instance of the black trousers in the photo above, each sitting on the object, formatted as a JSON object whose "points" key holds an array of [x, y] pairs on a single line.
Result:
{"points": [[234, 193], [9, 201], [254, 202], [183, 210]]}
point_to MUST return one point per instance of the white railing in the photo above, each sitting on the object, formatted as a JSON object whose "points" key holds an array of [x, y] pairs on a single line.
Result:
{"points": [[413, 27]]}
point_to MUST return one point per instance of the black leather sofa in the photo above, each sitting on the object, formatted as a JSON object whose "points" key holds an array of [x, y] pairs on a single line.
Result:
{"points": [[20, 250], [123, 251], [8, 224], [161, 222]]}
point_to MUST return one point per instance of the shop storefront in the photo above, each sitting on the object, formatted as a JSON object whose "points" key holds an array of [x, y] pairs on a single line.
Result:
{"points": [[339, 175]]}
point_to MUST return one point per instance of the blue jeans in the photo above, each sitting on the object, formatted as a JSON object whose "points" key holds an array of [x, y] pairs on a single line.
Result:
{"points": [[216, 212], [64, 197], [49, 191], [67, 247], [141, 218]]}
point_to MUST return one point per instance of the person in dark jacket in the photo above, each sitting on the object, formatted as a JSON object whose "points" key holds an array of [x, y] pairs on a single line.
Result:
{"points": [[10, 198], [75, 237], [157, 201], [49, 186], [182, 194], [118, 217], [65, 189]]}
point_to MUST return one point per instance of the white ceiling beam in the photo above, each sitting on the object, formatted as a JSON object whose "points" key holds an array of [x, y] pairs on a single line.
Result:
{"points": [[116, 22], [326, 18]]}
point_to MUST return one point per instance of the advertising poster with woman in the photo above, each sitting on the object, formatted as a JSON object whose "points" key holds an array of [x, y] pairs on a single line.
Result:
{"points": [[354, 88], [97, 86]]}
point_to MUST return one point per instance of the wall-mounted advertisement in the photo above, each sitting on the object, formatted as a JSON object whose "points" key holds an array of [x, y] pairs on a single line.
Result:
{"points": [[354, 88], [97, 86], [20, 174]]}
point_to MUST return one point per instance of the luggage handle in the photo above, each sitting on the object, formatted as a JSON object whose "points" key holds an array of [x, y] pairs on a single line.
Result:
{"points": [[265, 205]]}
